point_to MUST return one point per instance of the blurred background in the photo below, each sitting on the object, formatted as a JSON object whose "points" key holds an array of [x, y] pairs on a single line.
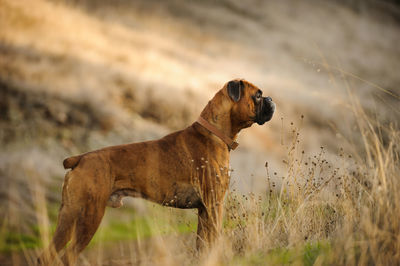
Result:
{"points": [[80, 75]]}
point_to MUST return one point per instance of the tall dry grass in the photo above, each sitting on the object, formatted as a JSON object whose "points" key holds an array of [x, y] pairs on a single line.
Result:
{"points": [[342, 210], [347, 207]]}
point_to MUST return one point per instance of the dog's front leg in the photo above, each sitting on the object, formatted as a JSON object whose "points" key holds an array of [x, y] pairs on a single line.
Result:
{"points": [[209, 225]]}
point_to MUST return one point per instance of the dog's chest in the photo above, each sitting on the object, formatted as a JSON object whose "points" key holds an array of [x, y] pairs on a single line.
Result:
{"points": [[182, 195]]}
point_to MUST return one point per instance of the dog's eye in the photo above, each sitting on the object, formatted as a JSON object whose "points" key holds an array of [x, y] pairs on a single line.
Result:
{"points": [[258, 95]]}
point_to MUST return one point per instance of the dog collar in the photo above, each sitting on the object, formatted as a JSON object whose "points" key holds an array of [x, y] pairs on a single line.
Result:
{"points": [[207, 125]]}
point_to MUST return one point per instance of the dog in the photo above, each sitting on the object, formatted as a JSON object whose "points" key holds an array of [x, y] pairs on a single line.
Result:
{"points": [[185, 169]]}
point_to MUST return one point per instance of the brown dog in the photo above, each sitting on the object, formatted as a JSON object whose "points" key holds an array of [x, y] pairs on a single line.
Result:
{"points": [[186, 169]]}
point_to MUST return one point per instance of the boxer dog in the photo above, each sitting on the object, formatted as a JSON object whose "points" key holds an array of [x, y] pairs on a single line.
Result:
{"points": [[185, 169]]}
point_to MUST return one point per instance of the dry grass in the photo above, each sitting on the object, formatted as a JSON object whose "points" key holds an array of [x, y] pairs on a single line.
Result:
{"points": [[342, 211]]}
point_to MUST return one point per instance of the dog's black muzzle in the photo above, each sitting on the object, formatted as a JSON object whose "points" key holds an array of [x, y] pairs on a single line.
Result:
{"points": [[266, 111]]}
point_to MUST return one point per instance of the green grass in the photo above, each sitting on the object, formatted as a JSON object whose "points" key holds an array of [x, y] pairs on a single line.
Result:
{"points": [[307, 254], [311, 251], [13, 241], [132, 226], [140, 227]]}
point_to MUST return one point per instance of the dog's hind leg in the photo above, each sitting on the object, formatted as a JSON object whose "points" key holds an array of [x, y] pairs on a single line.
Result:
{"points": [[62, 235], [84, 199], [87, 222], [63, 232]]}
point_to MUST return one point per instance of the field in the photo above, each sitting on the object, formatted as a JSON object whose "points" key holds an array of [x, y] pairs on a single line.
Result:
{"points": [[318, 185]]}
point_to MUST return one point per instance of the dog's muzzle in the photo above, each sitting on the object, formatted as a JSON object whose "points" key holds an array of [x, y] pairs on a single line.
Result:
{"points": [[266, 111]]}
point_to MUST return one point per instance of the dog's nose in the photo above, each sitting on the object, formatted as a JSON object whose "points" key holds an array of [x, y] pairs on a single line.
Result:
{"points": [[268, 99]]}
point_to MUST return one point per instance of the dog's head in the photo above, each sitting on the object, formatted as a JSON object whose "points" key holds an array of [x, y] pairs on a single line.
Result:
{"points": [[248, 104]]}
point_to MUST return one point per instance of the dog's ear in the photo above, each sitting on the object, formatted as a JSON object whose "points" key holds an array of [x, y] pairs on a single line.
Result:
{"points": [[235, 88]]}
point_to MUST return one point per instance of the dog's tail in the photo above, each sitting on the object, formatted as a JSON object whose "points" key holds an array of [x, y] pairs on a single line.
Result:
{"points": [[72, 162]]}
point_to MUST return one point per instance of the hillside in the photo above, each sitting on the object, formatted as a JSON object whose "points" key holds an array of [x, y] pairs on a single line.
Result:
{"points": [[81, 75]]}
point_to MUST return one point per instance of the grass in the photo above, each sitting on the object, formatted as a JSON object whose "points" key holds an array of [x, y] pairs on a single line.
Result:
{"points": [[158, 221], [341, 210], [306, 255], [129, 226], [322, 210]]}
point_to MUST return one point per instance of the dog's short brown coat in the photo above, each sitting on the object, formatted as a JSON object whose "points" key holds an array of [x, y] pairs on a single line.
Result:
{"points": [[186, 169]]}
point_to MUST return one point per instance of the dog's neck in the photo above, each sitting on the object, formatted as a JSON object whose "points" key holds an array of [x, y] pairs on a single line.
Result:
{"points": [[218, 114], [232, 144]]}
